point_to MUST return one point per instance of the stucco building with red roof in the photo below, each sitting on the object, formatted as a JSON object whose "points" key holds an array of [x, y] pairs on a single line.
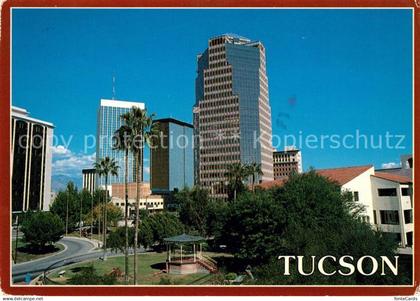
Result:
{"points": [[387, 198]]}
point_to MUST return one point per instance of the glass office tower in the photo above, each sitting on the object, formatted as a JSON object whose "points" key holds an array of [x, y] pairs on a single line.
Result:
{"points": [[109, 120], [232, 114], [172, 160]]}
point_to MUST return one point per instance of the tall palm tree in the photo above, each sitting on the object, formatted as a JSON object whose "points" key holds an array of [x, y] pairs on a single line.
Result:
{"points": [[254, 170], [106, 167], [143, 131], [236, 174], [123, 142]]}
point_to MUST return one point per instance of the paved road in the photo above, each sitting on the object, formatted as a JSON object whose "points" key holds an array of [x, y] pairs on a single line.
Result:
{"points": [[77, 250], [74, 247]]}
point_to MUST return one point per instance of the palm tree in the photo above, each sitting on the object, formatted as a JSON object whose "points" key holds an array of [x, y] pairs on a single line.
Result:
{"points": [[254, 170], [106, 167], [143, 131], [236, 174], [123, 143]]}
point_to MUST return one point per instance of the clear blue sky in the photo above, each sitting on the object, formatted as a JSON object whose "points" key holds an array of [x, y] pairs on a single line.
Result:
{"points": [[330, 71]]}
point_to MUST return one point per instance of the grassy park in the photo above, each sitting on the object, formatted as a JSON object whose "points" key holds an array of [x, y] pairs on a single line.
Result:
{"points": [[150, 270]]}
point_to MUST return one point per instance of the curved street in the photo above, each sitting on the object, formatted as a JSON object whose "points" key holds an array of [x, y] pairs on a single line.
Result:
{"points": [[80, 249], [77, 250]]}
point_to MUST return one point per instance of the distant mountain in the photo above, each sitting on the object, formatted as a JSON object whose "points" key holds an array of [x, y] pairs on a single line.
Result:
{"points": [[59, 182]]}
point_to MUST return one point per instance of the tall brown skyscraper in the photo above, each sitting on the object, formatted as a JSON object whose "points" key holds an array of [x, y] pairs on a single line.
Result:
{"points": [[232, 114]]}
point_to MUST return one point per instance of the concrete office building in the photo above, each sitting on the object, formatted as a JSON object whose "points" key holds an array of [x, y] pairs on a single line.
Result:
{"points": [[89, 179], [172, 160], [109, 120], [286, 162], [31, 156], [232, 114]]}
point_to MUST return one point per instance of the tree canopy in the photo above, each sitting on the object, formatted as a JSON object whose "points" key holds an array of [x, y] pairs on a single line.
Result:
{"points": [[41, 228]]}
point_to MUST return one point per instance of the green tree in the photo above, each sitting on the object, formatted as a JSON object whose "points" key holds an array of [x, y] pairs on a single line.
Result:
{"points": [[67, 206], [117, 239], [236, 174], [123, 142], [143, 131], [193, 208], [254, 170], [308, 216], [106, 167], [41, 228]]}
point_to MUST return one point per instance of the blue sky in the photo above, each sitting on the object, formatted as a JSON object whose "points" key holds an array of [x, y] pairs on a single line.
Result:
{"points": [[330, 71]]}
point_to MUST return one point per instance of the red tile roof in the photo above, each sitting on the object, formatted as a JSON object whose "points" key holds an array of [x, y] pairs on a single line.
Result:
{"points": [[343, 175], [271, 184], [392, 177]]}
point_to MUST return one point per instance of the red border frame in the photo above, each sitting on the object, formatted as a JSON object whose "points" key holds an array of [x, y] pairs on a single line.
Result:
{"points": [[176, 291]]}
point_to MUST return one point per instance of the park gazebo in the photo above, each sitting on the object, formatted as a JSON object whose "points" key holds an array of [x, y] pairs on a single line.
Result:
{"points": [[184, 254]]}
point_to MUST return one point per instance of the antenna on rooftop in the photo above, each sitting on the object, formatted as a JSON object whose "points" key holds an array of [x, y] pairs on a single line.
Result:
{"points": [[113, 87]]}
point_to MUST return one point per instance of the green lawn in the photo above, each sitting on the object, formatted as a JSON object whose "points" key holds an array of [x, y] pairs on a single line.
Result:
{"points": [[150, 266], [26, 254]]}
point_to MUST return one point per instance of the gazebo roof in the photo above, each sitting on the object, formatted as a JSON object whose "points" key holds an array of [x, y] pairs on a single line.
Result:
{"points": [[183, 238]]}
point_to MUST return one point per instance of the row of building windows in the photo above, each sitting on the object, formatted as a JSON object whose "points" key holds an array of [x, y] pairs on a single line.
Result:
{"points": [[216, 49], [221, 110], [391, 217], [219, 102], [218, 95], [221, 158], [217, 80], [218, 88], [218, 71], [221, 118], [218, 64], [220, 55], [218, 150], [393, 192]]}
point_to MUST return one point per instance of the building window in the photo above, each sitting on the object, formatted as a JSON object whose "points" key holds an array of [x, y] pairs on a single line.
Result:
{"points": [[356, 196], [389, 217], [410, 238], [408, 216], [405, 191], [387, 192], [375, 221]]}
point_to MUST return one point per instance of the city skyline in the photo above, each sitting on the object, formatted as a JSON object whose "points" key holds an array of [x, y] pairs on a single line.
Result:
{"points": [[363, 67]]}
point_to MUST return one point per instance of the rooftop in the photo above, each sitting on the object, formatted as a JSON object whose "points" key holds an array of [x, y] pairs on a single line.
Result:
{"points": [[343, 175], [121, 104], [183, 238], [392, 177], [172, 120], [23, 114]]}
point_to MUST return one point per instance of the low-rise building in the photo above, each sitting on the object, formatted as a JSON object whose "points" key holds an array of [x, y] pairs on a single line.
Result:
{"points": [[393, 206], [147, 201], [386, 198]]}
